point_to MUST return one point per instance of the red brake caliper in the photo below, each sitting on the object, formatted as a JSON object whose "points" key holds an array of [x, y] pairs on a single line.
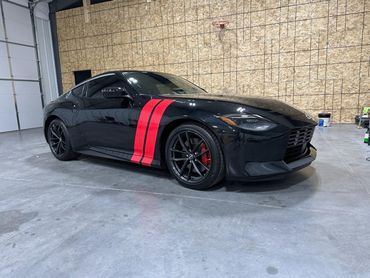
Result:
{"points": [[206, 157]]}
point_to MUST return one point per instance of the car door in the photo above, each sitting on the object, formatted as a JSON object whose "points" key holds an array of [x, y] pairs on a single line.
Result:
{"points": [[76, 98], [106, 121]]}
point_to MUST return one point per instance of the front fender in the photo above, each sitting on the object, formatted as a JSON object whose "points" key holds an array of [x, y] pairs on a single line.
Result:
{"points": [[171, 120]]}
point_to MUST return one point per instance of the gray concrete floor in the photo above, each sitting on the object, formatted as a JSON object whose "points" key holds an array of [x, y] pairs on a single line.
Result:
{"points": [[101, 218]]}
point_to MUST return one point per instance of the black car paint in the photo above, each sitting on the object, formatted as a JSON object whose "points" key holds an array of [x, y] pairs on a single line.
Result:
{"points": [[107, 127]]}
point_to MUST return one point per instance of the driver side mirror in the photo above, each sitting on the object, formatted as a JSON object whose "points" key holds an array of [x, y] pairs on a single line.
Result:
{"points": [[115, 92]]}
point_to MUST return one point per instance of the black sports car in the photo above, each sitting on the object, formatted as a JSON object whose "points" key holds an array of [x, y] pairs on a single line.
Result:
{"points": [[162, 120]]}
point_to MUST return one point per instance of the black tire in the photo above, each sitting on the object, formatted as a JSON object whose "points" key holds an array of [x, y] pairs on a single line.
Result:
{"points": [[202, 158], [59, 141]]}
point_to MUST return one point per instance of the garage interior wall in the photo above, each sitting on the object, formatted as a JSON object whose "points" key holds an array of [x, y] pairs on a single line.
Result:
{"points": [[312, 54], [20, 91]]}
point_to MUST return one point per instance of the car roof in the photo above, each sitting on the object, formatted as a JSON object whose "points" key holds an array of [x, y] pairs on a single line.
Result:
{"points": [[112, 72], [129, 71]]}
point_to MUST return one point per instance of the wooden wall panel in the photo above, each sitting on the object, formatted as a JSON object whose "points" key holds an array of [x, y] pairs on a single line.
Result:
{"points": [[312, 54]]}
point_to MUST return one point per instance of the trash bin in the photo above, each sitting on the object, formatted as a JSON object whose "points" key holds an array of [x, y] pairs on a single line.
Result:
{"points": [[324, 119]]}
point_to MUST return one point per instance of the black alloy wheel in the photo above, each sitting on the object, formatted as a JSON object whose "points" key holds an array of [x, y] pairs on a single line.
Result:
{"points": [[59, 141], [194, 157]]}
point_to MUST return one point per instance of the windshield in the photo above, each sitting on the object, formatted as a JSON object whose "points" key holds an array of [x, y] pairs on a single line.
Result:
{"points": [[161, 84]]}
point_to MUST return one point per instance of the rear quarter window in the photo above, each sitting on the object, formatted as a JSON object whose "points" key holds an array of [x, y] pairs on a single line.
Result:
{"points": [[79, 91]]}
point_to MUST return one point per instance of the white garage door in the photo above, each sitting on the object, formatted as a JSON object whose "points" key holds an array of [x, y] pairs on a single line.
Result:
{"points": [[20, 94]]}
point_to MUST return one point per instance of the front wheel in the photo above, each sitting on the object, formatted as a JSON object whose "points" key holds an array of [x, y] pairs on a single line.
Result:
{"points": [[59, 141], [194, 157]]}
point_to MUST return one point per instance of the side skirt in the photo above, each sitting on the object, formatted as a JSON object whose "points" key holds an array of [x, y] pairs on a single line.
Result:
{"points": [[113, 154]]}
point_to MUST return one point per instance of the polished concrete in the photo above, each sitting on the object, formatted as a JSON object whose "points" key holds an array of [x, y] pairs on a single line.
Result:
{"points": [[100, 218]]}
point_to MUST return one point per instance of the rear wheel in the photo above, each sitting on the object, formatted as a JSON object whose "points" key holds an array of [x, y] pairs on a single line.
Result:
{"points": [[194, 157], [59, 141]]}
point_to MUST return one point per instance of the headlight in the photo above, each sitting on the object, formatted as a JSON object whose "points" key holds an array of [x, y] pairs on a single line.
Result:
{"points": [[249, 122]]}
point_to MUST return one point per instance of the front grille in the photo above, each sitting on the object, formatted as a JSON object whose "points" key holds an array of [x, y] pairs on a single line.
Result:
{"points": [[297, 143], [300, 136]]}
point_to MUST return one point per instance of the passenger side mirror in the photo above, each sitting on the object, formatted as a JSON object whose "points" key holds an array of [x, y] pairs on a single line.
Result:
{"points": [[115, 92]]}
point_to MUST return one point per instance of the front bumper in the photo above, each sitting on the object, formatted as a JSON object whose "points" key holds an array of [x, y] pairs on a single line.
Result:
{"points": [[269, 170], [258, 169]]}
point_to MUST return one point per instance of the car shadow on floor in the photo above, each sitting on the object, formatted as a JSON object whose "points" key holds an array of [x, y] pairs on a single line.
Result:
{"points": [[290, 180], [123, 165], [107, 177], [303, 180]]}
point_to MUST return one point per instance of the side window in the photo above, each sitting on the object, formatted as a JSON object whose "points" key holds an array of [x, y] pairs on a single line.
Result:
{"points": [[94, 87], [79, 91]]}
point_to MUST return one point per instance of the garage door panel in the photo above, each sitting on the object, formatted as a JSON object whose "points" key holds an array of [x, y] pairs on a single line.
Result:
{"points": [[8, 122], [19, 33], [18, 24], [22, 52], [25, 87], [20, 2], [7, 103], [8, 118], [23, 61], [28, 96], [29, 104], [2, 32], [4, 63], [6, 97], [5, 86], [16, 13], [24, 70], [29, 120]]}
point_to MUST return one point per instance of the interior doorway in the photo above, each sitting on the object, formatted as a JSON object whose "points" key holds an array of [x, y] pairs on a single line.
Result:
{"points": [[81, 75]]}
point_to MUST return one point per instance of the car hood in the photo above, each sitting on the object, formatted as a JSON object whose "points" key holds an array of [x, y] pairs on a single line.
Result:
{"points": [[270, 108]]}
